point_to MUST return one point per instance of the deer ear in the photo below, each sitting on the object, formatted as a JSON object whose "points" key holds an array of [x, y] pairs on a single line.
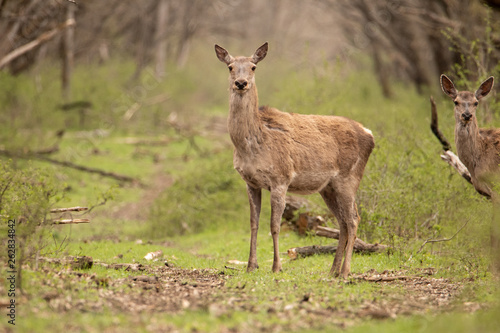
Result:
{"points": [[223, 55], [260, 53], [484, 88], [448, 87]]}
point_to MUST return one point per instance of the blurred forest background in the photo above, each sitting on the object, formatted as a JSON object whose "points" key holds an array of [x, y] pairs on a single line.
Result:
{"points": [[410, 41]]}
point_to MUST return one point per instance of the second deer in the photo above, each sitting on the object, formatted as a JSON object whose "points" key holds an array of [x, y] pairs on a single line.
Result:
{"points": [[280, 152], [477, 148]]}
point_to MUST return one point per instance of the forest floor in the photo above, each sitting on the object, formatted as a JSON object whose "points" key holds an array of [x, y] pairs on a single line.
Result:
{"points": [[174, 291]]}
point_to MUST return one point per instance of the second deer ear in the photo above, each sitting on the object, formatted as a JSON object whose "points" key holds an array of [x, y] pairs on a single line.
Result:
{"points": [[223, 55], [448, 87], [260, 53], [484, 88]]}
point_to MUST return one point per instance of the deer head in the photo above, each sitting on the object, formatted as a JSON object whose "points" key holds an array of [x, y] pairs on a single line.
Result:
{"points": [[466, 102], [241, 69]]}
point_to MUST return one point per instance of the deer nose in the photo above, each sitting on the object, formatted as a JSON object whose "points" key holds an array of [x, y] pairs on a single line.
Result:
{"points": [[240, 84], [466, 116]]}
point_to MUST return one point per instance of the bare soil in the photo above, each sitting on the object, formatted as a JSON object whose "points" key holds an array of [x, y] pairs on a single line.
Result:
{"points": [[170, 290]]}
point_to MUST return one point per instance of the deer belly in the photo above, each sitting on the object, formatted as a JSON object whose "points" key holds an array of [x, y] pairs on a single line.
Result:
{"points": [[310, 182]]}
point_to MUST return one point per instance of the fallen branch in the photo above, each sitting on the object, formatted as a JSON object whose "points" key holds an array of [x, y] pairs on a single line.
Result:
{"points": [[70, 165], [381, 278], [385, 278], [453, 160], [90, 170], [44, 37], [71, 209], [70, 221], [307, 251], [127, 267], [440, 240], [147, 142], [79, 262], [359, 245]]}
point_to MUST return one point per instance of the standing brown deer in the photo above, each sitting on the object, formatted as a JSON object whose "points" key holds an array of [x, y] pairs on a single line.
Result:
{"points": [[304, 154], [477, 148]]}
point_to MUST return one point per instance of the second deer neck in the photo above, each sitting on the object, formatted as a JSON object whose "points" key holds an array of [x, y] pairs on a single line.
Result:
{"points": [[243, 122], [468, 142]]}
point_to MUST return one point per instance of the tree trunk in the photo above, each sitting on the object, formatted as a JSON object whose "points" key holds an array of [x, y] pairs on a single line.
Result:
{"points": [[161, 38], [67, 53], [383, 75]]}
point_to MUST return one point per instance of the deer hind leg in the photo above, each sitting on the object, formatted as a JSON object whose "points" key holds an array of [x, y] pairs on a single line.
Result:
{"points": [[329, 196], [342, 205], [255, 199], [352, 228], [278, 202]]}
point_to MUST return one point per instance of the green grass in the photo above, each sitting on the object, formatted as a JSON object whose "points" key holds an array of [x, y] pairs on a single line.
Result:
{"points": [[482, 321]]}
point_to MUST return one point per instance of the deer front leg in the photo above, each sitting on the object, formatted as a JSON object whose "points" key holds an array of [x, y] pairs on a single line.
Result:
{"points": [[255, 198], [278, 202]]}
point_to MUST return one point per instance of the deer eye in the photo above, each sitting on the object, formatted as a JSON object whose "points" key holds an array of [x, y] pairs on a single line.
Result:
{"points": [[253, 68], [476, 103], [230, 68], [456, 103]]}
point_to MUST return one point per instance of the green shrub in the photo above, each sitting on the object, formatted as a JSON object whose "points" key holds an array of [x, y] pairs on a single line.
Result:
{"points": [[210, 193], [26, 196]]}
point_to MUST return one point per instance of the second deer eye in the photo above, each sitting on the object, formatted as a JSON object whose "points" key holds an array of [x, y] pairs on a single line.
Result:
{"points": [[230, 68], [476, 104], [253, 68], [456, 103]]}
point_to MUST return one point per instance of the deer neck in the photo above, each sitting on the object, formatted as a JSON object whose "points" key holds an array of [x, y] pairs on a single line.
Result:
{"points": [[243, 122], [469, 144]]}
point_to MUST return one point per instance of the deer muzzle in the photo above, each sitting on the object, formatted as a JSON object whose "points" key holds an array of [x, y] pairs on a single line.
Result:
{"points": [[466, 116], [240, 84]]}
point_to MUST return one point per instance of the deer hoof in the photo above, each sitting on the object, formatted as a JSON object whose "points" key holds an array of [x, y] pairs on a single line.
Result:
{"points": [[252, 267]]}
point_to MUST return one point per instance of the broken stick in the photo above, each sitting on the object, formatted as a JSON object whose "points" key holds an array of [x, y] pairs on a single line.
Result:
{"points": [[70, 209], [70, 221]]}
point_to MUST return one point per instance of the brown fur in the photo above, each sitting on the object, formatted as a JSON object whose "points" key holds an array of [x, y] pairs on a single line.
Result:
{"points": [[477, 148], [281, 152]]}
